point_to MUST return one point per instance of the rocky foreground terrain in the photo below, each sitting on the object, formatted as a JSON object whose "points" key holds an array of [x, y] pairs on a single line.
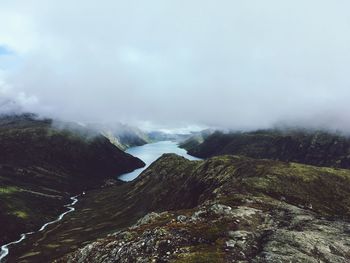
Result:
{"points": [[256, 230], [42, 165], [224, 209]]}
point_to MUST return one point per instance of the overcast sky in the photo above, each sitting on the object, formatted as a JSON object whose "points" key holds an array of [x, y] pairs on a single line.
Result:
{"points": [[225, 63]]}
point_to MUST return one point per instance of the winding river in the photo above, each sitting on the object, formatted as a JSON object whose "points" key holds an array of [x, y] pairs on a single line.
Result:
{"points": [[5, 248], [147, 153], [151, 152]]}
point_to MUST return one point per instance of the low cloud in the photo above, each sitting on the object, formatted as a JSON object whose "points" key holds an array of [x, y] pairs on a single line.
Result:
{"points": [[231, 64]]}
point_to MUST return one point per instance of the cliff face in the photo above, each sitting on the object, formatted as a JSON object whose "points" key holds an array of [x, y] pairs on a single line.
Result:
{"points": [[316, 148], [40, 166], [226, 209]]}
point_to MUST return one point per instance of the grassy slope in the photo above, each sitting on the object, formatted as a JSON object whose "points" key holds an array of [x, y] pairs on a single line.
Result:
{"points": [[176, 184], [310, 147], [40, 167]]}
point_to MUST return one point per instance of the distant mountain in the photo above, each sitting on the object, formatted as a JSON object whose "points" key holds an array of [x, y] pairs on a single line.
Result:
{"points": [[121, 135], [310, 147], [224, 209], [41, 165], [156, 136], [196, 139]]}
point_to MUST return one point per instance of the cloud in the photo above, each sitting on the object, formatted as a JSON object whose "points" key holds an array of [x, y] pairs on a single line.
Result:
{"points": [[12, 101], [237, 64]]}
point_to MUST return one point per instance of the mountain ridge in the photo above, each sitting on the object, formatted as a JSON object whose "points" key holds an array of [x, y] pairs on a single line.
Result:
{"points": [[42, 164], [318, 148], [222, 209], [243, 209]]}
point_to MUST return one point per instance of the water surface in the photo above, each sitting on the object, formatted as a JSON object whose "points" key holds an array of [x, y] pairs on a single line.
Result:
{"points": [[5, 248], [151, 152]]}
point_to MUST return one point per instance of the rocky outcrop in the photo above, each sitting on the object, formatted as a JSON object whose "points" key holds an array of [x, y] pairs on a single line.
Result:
{"points": [[214, 232], [230, 209], [302, 146]]}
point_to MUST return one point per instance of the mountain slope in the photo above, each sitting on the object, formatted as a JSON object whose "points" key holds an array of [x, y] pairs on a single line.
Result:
{"points": [[41, 166], [232, 208], [223, 209], [121, 135], [196, 139], [309, 147]]}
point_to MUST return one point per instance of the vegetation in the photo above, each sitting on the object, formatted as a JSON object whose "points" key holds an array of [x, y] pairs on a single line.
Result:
{"points": [[227, 208], [223, 209], [40, 164], [310, 147]]}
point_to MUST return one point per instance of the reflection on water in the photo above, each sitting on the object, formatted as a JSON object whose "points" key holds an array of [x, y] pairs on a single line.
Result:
{"points": [[151, 152]]}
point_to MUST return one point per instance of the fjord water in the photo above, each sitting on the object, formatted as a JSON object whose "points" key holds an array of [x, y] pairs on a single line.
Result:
{"points": [[151, 152]]}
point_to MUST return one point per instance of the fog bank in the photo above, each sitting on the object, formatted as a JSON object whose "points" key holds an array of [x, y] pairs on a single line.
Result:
{"points": [[230, 64]]}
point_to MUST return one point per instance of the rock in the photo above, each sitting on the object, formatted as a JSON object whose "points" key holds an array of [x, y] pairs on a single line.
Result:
{"points": [[220, 209], [230, 243], [181, 218], [147, 219], [239, 235], [253, 217]]}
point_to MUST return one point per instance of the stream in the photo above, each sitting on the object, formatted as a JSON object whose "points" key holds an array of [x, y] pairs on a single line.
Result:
{"points": [[5, 248], [147, 153]]}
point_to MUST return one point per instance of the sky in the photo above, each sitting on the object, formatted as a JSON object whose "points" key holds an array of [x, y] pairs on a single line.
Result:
{"points": [[228, 63]]}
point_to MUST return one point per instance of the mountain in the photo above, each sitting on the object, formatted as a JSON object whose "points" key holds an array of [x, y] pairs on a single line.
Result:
{"points": [[42, 165], [310, 147], [196, 139], [155, 136], [224, 209], [121, 135]]}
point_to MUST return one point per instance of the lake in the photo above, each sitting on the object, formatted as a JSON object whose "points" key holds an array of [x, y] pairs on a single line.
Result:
{"points": [[151, 152]]}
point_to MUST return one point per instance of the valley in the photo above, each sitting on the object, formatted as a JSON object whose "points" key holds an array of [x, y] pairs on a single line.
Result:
{"points": [[41, 167], [237, 204], [174, 131], [223, 209], [151, 152], [5, 248]]}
